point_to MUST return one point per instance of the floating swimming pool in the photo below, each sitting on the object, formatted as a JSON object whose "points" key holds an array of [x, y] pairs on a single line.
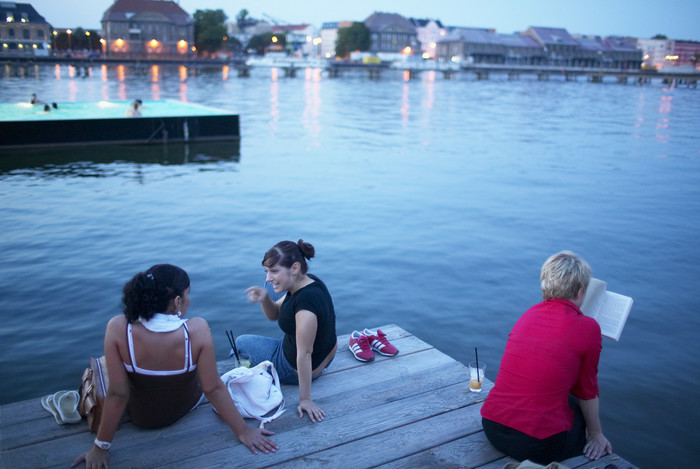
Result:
{"points": [[106, 122]]}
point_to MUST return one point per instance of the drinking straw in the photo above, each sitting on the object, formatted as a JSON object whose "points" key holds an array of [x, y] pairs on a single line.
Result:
{"points": [[476, 352], [232, 341]]}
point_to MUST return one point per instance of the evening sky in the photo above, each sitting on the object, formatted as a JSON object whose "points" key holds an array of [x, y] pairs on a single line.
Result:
{"points": [[677, 19]]}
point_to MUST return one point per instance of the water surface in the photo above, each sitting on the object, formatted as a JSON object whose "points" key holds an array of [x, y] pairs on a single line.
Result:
{"points": [[432, 204]]}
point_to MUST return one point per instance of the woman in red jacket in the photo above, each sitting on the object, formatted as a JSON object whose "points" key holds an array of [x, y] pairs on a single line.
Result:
{"points": [[544, 405]]}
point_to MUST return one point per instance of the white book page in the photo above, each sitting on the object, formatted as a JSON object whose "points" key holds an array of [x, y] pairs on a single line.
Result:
{"points": [[595, 294], [613, 314]]}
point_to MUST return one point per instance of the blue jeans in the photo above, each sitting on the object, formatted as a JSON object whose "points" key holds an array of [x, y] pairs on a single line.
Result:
{"points": [[258, 349]]}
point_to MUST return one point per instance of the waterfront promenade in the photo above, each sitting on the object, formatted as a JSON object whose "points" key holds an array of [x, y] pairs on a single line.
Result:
{"points": [[410, 411]]}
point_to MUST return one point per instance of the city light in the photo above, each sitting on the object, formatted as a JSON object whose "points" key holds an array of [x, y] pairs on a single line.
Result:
{"points": [[182, 46], [274, 39], [406, 50]]}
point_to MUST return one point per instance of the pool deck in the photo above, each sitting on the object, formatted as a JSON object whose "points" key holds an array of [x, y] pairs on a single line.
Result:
{"points": [[74, 124], [412, 410]]}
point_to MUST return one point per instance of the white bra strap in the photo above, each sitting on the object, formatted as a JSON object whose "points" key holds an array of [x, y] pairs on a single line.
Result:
{"points": [[130, 340], [188, 348]]}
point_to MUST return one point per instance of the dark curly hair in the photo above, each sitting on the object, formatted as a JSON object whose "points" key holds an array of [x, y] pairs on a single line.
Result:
{"points": [[151, 292], [286, 253]]}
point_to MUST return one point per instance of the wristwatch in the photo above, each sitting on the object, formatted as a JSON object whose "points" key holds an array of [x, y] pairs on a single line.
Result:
{"points": [[102, 444]]}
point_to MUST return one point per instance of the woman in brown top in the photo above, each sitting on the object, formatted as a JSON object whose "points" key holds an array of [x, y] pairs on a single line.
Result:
{"points": [[159, 364]]}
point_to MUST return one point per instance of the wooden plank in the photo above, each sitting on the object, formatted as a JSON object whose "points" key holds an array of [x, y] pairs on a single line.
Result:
{"points": [[412, 410], [32, 424], [348, 412], [380, 446], [470, 451], [582, 462], [334, 399], [297, 437]]}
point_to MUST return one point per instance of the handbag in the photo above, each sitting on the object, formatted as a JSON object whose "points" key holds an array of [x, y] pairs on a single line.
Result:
{"points": [[92, 392], [256, 391]]}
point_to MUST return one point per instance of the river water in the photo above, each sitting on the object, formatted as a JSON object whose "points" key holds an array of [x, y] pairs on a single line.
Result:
{"points": [[432, 204]]}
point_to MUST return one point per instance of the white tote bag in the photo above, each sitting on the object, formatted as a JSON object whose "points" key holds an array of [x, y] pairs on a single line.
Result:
{"points": [[256, 391]]}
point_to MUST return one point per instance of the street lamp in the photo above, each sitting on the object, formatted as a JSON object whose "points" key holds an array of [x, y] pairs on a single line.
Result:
{"points": [[69, 32]]}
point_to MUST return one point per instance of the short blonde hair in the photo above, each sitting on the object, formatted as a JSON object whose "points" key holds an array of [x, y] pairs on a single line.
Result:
{"points": [[563, 275]]}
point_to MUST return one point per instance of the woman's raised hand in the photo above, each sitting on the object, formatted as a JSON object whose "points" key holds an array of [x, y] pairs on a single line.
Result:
{"points": [[256, 294]]}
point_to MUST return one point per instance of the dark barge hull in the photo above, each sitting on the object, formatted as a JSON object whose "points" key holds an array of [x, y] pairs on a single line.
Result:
{"points": [[145, 130]]}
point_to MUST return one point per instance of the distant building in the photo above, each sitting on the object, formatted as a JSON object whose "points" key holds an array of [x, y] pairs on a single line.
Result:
{"points": [[24, 31], [558, 45], [485, 46], [686, 53], [390, 35], [428, 33], [329, 34], [302, 40], [612, 52], [655, 51], [660, 53], [245, 31], [621, 53], [147, 28], [539, 46]]}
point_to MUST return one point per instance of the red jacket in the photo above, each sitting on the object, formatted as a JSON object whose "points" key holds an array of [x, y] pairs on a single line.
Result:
{"points": [[553, 350]]}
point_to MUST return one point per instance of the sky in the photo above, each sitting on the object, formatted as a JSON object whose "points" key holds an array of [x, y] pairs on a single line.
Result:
{"points": [[677, 19]]}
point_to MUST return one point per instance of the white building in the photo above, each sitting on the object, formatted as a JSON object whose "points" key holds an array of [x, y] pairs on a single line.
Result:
{"points": [[428, 33], [329, 34], [655, 52], [302, 39]]}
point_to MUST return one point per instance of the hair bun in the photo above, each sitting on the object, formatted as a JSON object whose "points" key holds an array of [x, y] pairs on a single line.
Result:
{"points": [[307, 249]]}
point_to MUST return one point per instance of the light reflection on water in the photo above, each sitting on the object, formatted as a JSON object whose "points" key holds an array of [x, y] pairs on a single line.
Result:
{"points": [[432, 204]]}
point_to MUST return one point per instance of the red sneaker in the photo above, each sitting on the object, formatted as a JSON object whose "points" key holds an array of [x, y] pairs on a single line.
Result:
{"points": [[359, 346], [379, 343]]}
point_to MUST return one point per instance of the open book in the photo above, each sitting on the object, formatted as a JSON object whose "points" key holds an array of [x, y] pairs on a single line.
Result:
{"points": [[608, 308]]}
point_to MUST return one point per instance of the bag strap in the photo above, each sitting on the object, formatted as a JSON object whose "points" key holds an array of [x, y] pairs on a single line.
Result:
{"points": [[276, 383], [269, 364]]}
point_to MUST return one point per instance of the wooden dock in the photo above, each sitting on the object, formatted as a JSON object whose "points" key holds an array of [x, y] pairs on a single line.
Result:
{"points": [[413, 410]]}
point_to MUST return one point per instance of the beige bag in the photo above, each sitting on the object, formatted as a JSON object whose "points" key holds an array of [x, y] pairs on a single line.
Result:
{"points": [[93, 391]]}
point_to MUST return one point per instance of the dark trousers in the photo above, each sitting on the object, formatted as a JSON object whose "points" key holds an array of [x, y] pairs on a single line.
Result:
{"points": [[557, 447]]}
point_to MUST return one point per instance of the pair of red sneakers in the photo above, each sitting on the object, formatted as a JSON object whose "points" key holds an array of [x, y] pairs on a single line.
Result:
{"points": [[363, 343]]}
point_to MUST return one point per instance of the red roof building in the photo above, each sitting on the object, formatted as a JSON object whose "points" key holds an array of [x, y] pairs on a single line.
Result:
{"points": [[147, 28]]}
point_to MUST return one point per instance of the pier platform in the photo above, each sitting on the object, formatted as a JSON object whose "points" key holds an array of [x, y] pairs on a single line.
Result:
{"points": [[410, 411]]}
